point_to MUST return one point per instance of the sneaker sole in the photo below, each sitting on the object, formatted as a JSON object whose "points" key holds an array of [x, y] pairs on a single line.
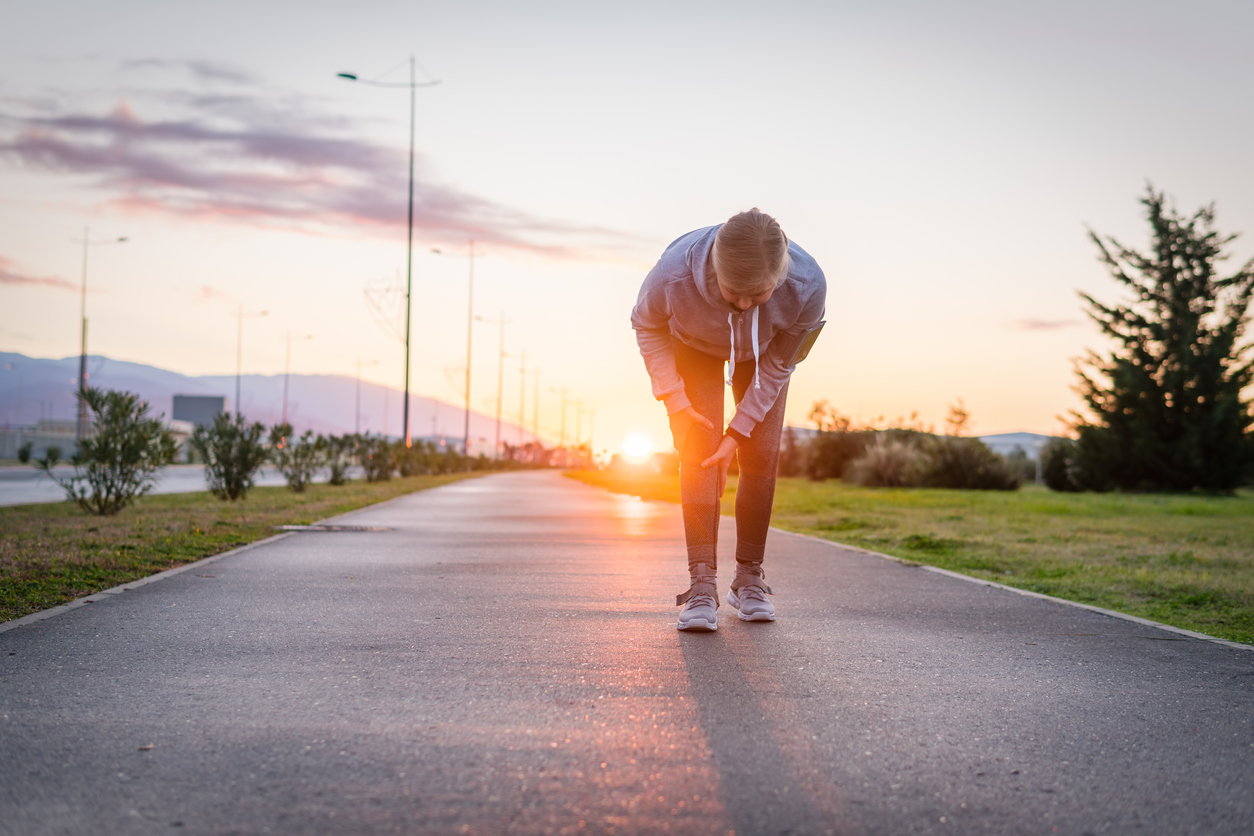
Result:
{"points": [[698, 625]]}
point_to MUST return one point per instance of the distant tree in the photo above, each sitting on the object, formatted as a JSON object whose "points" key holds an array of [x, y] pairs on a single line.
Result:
{"points": [[119, 459], [1167, 411], [296, 457], [339, 451], [233, 451]]}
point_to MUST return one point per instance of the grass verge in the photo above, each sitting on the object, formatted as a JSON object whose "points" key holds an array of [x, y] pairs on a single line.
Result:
{"points": [[52, 553], [1184, 560]]}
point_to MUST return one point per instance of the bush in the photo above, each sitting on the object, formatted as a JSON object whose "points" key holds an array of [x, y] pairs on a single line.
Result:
{"points": [[23, 452], [233, 451], [965, 464], [1063, 468], [1020, 465], [119, 459], [375, 455], [412, 460], [836, 445], [887, 463], [338, 452], [298, 459]]}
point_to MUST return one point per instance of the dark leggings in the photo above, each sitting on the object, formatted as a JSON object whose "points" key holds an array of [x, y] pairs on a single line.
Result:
{"points": [[703, 377]]}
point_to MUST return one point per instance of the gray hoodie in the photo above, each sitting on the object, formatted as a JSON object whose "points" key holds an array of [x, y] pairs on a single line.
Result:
{"points": [[681, 301]]}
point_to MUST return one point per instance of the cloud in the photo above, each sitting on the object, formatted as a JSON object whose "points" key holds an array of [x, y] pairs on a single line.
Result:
{"points": [[10, 276], [264, 157], [1046, 324]]}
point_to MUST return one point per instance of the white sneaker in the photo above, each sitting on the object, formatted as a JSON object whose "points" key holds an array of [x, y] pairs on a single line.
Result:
{"points": [[750, 601]]}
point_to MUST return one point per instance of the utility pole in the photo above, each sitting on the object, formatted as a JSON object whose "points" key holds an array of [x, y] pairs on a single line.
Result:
{"points": [[563, 433], [470, 330], [578, 422], [535, 410], [81, 427], [239, 352], [500, 386], [413, 86], [522, 398]]}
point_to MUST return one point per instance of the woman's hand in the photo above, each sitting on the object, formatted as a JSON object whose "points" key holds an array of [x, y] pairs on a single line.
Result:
{"points": [[722, 457], [682, 422]]}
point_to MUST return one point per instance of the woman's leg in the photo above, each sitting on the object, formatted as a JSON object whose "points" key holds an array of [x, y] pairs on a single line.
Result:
{"points": [[755, 492], [698, 486]]}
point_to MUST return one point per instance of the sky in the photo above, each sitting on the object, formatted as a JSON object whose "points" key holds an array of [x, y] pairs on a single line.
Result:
{"points": [[943, 162]]}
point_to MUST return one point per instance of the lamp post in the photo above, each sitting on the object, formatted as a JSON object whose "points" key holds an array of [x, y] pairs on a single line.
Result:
{"points": [[535, 410], [470, 331], [287, 368], [500, 377], [409, 260], [357, 420], [239, 351], [82, 360], [562, 433], [522, 398]]}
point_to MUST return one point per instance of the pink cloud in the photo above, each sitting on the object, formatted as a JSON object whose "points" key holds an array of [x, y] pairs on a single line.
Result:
{"points": [[10, 276], [230, 158]]}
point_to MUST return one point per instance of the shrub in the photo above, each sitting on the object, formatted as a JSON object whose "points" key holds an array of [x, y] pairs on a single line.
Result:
{"points": [[413, 460], [119, 459], [375, 455], [965, 464], [1060, 466], [338, 452], [297, 458], [886, 463], [836, 446], [23, 452], [1020, 465], [233, 451]]}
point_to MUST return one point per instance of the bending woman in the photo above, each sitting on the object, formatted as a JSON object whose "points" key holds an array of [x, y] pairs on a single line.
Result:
{"points": [[738, 293]]}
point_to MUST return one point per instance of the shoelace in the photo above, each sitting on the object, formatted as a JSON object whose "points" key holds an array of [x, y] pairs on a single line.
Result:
{"points": [[701, 598], [751, 593]]}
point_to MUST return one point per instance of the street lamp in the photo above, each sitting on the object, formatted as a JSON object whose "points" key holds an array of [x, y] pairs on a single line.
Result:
{"points": [[357, 422], [287, 368], [82, 360], [500, 378], [412, 85], [239, 351], [562, 433], [470, 328]]}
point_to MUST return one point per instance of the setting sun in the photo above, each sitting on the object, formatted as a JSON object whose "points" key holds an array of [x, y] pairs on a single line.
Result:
{"points": [[637, 446]]}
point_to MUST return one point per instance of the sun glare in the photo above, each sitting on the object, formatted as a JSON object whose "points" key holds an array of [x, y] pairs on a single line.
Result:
{"points": [[637, 447]]}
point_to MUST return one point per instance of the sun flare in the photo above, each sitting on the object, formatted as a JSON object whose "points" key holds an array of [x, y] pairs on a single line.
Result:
{"points": [[637, 446]]}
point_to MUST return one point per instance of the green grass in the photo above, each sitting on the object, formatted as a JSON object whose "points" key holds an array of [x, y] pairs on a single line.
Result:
{"points": [[53, 553], [1184, 560]]}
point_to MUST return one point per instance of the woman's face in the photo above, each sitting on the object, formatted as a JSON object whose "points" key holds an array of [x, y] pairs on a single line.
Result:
{"points": [[741, 301]]}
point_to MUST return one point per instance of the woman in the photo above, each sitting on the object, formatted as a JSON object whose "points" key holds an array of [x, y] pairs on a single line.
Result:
{"points": [[738, 293]]}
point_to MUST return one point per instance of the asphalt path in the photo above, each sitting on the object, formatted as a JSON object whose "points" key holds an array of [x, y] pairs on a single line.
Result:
{"points": [[504, 660], [26, 485]]}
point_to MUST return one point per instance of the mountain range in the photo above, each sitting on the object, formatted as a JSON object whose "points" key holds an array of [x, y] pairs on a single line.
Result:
{"points": [[33, 389]]}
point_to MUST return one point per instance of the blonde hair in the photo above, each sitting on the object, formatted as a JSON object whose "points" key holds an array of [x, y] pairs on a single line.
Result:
{"points": [[751, 253]]}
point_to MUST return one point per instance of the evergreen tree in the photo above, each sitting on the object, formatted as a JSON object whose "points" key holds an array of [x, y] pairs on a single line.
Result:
{"points": [[1167, 407]]}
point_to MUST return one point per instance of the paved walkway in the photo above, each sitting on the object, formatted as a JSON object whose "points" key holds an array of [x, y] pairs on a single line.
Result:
{"points": [[504, 660]]}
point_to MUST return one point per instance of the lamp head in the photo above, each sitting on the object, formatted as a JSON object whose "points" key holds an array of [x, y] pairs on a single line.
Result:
{"points": [[349, 76]]}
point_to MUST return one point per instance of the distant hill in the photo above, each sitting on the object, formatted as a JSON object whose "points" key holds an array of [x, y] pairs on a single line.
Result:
{"points": [[34, 388]]}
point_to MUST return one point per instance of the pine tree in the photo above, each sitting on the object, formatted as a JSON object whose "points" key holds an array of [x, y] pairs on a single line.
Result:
{"points": [[1168, 413]]}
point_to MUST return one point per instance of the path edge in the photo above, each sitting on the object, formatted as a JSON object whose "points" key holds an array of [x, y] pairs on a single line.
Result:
{"points": [[34, 617], [1123, 616]]}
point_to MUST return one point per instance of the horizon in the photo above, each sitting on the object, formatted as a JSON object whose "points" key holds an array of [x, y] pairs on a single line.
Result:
{"points": [[941, 165]]}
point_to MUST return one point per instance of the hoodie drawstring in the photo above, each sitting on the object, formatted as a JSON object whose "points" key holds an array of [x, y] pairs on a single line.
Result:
{"points": [[757, 352]]}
